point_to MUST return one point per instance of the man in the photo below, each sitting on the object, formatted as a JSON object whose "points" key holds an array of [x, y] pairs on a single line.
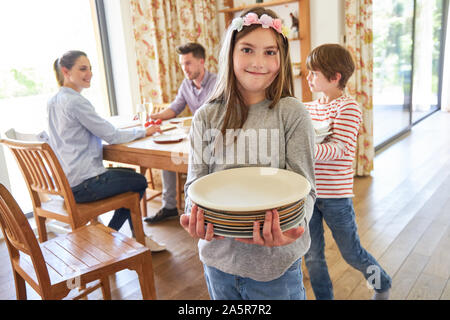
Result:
{"points": [[193, 91]]}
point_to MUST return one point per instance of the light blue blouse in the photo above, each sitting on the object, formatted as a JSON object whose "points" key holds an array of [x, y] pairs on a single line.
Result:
{"points": [[76, 132]]}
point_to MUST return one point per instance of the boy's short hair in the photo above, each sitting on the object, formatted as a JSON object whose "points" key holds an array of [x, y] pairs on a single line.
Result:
{"points": [[197, 50], [330, 59]]}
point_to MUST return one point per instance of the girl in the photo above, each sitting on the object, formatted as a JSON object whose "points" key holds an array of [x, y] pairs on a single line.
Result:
{"points": [[253, 93], [76, 132]]}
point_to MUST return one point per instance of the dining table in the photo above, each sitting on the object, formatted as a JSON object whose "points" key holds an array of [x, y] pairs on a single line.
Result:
{"points": [[152, 152]]}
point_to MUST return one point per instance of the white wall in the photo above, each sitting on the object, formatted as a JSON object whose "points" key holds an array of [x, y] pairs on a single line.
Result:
{"points": [[327, 21]]}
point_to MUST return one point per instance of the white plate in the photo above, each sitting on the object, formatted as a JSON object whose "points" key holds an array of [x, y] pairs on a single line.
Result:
{"points": [[258, 214], [169, 138], [248, 189], [180, 120], [249, 234], [320, 137], [236, 224], [321, 126]]}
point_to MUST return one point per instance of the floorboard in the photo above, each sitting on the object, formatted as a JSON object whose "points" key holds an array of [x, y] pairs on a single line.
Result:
{"points": [[403, 216]]}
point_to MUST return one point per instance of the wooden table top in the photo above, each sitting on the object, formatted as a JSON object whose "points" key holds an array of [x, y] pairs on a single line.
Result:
{"points": [[147, 153]]}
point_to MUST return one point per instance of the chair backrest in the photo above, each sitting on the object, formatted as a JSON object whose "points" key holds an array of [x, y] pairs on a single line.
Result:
{"points": [[19, 237], [15, 135], [42, 171]]}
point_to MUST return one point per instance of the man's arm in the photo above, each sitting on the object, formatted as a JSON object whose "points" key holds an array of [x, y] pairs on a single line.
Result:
{"points": [[164, 115], [177, 105]]}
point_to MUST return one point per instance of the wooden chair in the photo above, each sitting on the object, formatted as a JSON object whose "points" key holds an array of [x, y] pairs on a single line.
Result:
{"points": [[43, 174], [51, 225], [70, 261]]}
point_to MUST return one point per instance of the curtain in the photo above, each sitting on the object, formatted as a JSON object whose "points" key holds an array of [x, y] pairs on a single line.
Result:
{"points": [[159, 27], [445, 98], [359, 39]]}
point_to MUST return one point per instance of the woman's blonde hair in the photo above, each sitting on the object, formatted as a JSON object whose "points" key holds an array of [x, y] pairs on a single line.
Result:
{"points": [[226, 90]]}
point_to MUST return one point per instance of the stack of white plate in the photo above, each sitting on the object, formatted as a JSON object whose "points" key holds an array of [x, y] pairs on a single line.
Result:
{"points": [[233, 199], [322, 130]]}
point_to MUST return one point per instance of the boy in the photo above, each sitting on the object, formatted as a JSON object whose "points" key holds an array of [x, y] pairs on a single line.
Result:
{"points": [[330, 66]]}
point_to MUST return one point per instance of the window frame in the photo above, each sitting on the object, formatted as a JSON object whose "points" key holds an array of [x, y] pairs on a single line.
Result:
{"points": [[106, 55]]}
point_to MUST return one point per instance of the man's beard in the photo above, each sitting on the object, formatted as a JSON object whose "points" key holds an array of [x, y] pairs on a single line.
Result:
{"points": [[193, 76]]}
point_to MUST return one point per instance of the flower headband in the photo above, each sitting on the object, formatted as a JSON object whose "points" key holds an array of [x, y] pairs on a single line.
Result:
{"points": [[265, 21]]}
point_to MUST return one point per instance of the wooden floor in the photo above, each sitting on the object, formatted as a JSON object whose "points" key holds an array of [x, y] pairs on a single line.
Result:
{"points": [[403, 215]]}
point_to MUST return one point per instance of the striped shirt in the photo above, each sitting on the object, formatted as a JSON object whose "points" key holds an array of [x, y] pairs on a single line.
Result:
{"points": [[334, 156]]}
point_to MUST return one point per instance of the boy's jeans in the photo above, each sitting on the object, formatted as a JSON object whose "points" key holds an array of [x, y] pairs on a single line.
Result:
{"points": [[340, 218], [114, 181], [224, 286]]}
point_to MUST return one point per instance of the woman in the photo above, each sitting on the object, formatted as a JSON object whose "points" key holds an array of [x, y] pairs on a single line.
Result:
{"points": [[76, 132]]}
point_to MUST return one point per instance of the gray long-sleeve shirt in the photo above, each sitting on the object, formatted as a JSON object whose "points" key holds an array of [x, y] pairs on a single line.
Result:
{"points": [[281, 137]]}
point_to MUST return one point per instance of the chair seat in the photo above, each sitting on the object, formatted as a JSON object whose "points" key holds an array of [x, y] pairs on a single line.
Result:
{"points": [[87, 210], [84, 254], [106, 204]]}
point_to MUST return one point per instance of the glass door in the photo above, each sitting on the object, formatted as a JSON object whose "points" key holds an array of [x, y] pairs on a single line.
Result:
{"points": [[408, 49], [427, 57], [393, 47]]}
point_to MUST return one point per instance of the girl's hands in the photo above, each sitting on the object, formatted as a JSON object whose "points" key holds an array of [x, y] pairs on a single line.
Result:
{"points": [[195, 225], [272, 236]]}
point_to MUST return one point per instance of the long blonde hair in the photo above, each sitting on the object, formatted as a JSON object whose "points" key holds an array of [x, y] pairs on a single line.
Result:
{"points": [[226, 90]]}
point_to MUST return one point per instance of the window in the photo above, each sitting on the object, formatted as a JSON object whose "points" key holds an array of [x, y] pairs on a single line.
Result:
{"points": [[408, 46], [34, 34]]}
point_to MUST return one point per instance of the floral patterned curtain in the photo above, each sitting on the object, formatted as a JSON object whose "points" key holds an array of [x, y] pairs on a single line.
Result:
{"points": [[159, 27], [359, 39]]}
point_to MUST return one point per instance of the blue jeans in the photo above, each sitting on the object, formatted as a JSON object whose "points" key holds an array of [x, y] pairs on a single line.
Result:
{"points": [[113, 182], [224, 286], [340, 218]]}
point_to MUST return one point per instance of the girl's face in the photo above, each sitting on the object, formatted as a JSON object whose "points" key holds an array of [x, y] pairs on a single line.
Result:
{"points": [[256, 64], [79, 77]]}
